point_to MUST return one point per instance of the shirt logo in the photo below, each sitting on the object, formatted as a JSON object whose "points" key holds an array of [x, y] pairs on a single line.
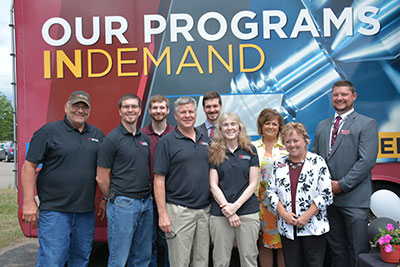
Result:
{"points": [[143, 143], [344, 132], [244, 157], [203, 143], [93, 139]]}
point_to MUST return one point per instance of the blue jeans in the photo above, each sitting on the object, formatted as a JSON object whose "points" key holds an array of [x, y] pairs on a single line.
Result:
{"points": [[129, 231], [65, 236]]}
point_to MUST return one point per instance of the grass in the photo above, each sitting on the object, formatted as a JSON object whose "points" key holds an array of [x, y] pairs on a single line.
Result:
{"points": [[9, 225]]}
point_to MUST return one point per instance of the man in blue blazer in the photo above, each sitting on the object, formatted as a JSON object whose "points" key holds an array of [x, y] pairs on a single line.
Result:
{"points": [[212, 106], [349, 144]]}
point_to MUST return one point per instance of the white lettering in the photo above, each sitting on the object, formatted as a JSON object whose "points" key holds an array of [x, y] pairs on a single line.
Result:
{"points": [[345, 18], [304, 15], [252, 26], [223, 26], [149, 31], [79, 31], [46, 31], [277, 27], [117, 32], [376, 26], [184, 30]]}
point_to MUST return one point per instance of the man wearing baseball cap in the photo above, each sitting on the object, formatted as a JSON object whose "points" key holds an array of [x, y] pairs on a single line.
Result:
{"points": [[66, 185]]}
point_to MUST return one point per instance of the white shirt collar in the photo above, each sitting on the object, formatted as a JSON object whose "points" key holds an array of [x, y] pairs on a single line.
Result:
{"points": [[344, 115]]}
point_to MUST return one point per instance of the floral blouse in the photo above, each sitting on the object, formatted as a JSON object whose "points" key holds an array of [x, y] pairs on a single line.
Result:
{"points": [[314, 186], [278, 150]]}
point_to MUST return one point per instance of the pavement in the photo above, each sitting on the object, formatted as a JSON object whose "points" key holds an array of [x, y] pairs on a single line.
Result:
{"points": [[20, 254], [23, 252], [6, 174]]}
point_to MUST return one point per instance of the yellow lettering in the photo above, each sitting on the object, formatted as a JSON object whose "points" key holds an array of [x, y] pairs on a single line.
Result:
{"points": [[146, 61], [47, 64], [90, 69], [130, 61], [241, 56], [76, 69], [196, 63], [211, 51], [389, 145]]}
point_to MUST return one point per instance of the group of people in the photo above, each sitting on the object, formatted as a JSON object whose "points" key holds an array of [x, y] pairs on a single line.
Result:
{"points": [[191, 185]]}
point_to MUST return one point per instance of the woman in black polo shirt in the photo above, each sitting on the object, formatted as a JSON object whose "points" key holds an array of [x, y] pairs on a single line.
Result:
{"points": [[233, 181]]}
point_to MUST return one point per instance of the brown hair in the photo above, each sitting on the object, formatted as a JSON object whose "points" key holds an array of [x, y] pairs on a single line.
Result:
{"points": [[295, 126], [129, 96], [211, 95], [268, 114], [346, 84], [158, 98], [217, 149]]}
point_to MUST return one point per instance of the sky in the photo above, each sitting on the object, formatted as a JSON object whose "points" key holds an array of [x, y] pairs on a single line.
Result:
{"points": [[5, 50]]}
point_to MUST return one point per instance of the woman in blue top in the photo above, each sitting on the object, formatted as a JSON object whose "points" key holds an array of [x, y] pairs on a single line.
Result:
{"points": [[233, 180]]}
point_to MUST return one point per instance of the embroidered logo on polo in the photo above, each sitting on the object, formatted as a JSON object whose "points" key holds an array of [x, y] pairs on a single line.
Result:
{"points": [[203, 143], [93, 139], [144, 143], [244, 157]]}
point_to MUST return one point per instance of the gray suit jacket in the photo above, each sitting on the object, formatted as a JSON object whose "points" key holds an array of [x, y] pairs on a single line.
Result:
{"points": [[352, 158], [202, 129]]}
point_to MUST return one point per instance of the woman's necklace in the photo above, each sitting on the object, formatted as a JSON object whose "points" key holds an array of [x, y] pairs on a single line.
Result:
{"points": [[295, 165]]}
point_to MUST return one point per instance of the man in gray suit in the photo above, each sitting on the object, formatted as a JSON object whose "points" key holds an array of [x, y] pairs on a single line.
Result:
{"points": [[212, 106], [349, 144]]}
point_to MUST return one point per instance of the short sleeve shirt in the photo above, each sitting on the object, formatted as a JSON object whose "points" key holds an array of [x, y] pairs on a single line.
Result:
{"points": [[154, 139], [233, 179], [184, 163], [67, 179], [127, 156]]}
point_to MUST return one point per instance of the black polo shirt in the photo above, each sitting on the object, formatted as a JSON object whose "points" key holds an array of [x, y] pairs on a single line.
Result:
{"points": [[128, 157], [184, 163], [233, 179], [67, 179]]}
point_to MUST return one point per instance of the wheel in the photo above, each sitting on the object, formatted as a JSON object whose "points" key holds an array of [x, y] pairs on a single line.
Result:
{"points": [[395, 188], [7, 158]]}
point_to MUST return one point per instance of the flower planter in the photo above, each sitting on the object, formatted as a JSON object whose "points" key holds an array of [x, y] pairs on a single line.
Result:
{"points": [[391, 257]]}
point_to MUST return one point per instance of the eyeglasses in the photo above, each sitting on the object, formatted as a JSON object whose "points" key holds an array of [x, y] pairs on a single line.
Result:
{"points": [[130, 106], [167, 235]]}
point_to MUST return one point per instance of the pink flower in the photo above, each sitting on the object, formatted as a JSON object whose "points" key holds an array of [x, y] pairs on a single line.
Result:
{"points": [[381, 240], [388, 238], [390, 227], [388, 248]]}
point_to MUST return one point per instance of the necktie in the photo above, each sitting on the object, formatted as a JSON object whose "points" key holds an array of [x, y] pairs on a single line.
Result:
{"points": [[335, 130], [212, 132]]}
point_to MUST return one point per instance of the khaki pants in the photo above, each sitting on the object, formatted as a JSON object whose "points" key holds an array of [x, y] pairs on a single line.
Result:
{"points": [[223, 237], [191, 245]]}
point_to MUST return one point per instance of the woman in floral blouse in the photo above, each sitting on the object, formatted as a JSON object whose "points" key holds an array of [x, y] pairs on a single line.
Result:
{"points": [[269, 148], [300, 191]]}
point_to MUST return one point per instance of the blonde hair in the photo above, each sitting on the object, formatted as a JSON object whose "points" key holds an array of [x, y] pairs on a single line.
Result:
{"points": [[217, 149], [295, 126]]}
